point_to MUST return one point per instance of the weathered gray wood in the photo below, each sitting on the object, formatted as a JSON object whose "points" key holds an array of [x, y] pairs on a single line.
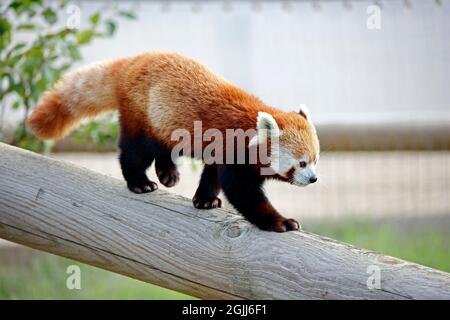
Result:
{"points": [[160, 238]]}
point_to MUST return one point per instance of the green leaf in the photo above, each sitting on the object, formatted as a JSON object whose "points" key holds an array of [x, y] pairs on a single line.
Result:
{"points": [[17, 6], [42, 84], [50, 75], [127, 14], [22, 6], [5, 33], [31, 13], [14, 49], [74, 52], [111, 27], [5, 26], [95, 18], [85, 36], [26, 26], [50, 16], [20, 89], [15, 105], [36, 52], [63, 68], [14, 59], [30, 65], [63, 3], [60, 35]]}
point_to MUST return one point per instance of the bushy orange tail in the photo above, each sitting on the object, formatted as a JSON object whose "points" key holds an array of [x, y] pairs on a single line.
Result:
{"points": [[51, 119], [84, 93]]}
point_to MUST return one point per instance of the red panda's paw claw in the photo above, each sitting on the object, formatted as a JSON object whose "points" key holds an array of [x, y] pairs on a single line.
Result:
{"points": [[292, 225], [206, 203], [144, 188], [168, 178], [284, 225]]}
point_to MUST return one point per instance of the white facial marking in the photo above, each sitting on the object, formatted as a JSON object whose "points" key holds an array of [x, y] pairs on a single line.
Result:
{"points": [[302, 176], [284, 160]]}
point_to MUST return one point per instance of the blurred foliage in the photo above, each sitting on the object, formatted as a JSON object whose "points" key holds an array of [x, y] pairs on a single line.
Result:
{"points": [[105, 130], [43, 276], [37, 45]]}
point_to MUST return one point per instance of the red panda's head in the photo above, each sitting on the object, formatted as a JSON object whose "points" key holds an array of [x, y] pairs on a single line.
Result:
{"points": [[295, 150]]}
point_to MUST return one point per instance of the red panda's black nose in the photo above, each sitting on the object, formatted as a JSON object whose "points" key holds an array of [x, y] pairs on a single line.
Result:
{"points": [[312, 179]]}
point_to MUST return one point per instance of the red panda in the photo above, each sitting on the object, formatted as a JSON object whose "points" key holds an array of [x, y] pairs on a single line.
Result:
{"points": [[157, 93]]}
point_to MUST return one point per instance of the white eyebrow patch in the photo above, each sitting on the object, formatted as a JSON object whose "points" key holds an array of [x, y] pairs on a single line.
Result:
{"points": [[304, 158]]}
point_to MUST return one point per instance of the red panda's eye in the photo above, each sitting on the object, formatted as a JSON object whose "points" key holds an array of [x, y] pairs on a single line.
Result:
{"points": [[303, 164]]}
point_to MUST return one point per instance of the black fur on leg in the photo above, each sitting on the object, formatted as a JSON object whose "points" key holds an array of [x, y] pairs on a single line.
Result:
{"points": [[137, 154], [209, 187], [166, 169], [242, 185]]}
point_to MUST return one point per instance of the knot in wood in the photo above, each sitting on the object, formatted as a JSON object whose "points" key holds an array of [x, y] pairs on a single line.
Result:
{"points": [[234, 230]]}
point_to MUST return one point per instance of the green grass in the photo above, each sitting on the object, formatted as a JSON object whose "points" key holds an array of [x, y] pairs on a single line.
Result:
{"points": [[423, 241], [44, 276]]}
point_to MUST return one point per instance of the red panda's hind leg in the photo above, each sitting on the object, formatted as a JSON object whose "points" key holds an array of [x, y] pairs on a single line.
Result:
{"points": [[137, 154]]}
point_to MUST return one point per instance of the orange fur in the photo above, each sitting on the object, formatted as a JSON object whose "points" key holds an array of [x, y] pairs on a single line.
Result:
{"points": [[84, 93], [157, 93], [51, 119]]}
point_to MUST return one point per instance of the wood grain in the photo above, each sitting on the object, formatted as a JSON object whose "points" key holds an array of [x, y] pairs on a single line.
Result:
{"points": [[161, 239]]}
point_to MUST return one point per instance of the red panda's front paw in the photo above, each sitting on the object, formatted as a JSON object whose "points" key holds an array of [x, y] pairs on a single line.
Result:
{"points": [[145, 187], [291, 225], [280, 224], [168, 177], [206, 202]]}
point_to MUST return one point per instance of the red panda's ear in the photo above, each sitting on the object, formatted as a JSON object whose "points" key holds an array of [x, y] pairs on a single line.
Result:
{"points": [[266, 126], [304, 112]]}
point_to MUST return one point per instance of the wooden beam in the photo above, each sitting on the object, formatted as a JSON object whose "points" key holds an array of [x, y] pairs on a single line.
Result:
{"points": [[162, 239]]}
